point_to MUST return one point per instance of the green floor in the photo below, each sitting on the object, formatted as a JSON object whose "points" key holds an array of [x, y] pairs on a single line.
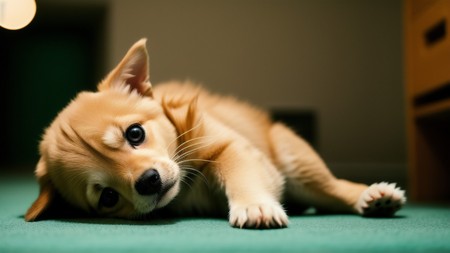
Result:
{"points": [[416, 228]]}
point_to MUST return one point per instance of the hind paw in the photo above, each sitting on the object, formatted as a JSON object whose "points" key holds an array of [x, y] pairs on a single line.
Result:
{"points": [[381, 200]]}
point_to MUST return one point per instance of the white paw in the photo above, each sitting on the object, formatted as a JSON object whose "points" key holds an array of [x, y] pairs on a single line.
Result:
{"points": [[381, 199], [258, 216]]}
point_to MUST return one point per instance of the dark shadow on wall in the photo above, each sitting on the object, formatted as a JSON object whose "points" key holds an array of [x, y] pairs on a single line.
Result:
{"points": [[42, 67], [303, 122]]}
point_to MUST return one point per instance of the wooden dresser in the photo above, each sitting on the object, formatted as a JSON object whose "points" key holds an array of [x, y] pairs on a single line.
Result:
{"points": [[427, 78]]}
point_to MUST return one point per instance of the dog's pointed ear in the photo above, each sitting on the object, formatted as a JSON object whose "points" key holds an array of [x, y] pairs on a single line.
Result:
{"points": [[46, 196], [133, 70]]}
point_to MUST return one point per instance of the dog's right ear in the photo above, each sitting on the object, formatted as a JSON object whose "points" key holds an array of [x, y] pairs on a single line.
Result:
{"points": [[46, 196], [133, 70]]}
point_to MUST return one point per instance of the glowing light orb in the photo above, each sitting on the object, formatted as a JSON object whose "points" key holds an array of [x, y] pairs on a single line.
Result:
{"points": [[16, 14]]}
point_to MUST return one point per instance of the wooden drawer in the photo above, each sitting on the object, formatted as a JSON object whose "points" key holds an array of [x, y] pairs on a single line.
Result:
{"points": [[430, 49]]}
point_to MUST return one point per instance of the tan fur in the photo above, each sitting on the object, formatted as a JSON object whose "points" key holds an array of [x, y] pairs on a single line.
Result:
{"points": [[215, 154]]}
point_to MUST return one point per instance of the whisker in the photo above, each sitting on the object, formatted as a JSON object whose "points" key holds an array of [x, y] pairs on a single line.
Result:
{"points": [[203, 140], [196, 160], [186, 132], [186, 182], [185, 155], [189, 177], [185, 145], [191, 150], [192, 140], [194, 172]]}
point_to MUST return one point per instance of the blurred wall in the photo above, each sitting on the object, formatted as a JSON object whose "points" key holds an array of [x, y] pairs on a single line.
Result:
{"points": [[342, 59]]}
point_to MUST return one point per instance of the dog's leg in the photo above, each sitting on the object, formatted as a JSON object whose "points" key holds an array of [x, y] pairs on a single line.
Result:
{"points": [[253, 186], [308, 180]]}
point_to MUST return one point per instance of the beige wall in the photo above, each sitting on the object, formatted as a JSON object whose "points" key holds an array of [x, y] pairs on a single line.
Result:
{"points": [[341, 58]]}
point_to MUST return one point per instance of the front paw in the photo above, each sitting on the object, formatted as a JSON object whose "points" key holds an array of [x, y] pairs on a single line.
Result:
{"points": [[258, 216], [381, 199]]}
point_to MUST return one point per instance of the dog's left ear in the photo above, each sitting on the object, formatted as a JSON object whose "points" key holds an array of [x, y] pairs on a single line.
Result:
{"points": [[49, 204], [133, 70], [46, 194]]}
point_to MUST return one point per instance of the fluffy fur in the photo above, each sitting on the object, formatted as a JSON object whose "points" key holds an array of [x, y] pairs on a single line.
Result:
{"points": [[214, 155]]}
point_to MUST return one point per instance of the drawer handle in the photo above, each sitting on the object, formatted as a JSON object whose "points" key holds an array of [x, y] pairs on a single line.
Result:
{"points": [[436, 33]]}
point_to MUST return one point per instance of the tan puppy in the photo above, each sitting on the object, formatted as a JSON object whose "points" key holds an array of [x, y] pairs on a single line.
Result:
{"points": [[129, 149]]}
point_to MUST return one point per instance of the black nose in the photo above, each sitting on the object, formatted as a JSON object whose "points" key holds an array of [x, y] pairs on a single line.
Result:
{"points": [[148, 183]]}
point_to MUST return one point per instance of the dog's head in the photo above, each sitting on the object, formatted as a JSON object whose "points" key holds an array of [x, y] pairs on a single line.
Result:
{"points": [[109, 152]]}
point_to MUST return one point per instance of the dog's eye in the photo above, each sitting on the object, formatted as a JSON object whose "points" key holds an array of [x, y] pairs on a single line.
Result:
{"points": [[108, 198], [135, 135]]}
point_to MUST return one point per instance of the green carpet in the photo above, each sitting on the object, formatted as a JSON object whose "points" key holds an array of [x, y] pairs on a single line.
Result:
{"points": [[416, 228]]}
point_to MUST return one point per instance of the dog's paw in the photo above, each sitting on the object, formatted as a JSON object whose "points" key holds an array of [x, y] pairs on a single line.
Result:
{"points": [[258, 216], [381, 200]]}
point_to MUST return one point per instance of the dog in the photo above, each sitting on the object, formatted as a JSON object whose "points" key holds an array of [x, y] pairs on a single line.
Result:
{"points": [[130, 149]]}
